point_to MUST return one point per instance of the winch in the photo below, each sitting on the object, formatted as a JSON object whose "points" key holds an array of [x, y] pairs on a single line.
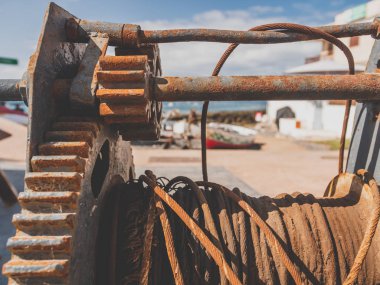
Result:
{"points": [[87, 219]]}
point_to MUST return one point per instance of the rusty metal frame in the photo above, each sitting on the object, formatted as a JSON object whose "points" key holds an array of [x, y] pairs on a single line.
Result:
{"points": [[131, 35], [53, 57], [84, 84]]}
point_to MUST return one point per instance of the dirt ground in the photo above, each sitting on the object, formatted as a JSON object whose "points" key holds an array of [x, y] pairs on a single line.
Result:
{"points": [[281, 165]]}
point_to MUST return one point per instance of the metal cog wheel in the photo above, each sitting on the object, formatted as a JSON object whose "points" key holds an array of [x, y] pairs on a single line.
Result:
{"points": [[124, 92], [80, 160]]}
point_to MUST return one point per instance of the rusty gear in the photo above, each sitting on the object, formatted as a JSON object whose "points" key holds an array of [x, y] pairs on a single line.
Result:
{"points": [[124, 92], [78, 162]]}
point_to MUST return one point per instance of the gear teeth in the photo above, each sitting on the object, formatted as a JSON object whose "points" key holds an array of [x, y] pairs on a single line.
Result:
{"points": [[42, 224], [53, 202], [53, 181], [65, 148], [124, 92], [76, 126], [121, 76], [137, 62], [70, 136], [32, 244], [41, 248], [124, 113], [121, 95], [58, 163], [36, 268]]}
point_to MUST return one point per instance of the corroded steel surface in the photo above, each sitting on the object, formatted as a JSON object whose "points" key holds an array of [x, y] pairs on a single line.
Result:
{"points": [[297, 87], [10, 90], [53, 241], [84, 84], [76, 161], [322, 235], [132, 35], [125, 92]]}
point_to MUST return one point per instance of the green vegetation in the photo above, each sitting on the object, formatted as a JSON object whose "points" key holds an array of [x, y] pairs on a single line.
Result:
{"points": [[333, 144]]}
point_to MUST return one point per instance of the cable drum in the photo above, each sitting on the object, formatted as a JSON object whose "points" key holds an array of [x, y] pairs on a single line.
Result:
{"points": [[320, 236]]}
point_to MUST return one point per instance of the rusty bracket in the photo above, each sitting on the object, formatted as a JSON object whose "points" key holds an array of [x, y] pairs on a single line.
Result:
{"points": [[84, 84], [119, 34]]}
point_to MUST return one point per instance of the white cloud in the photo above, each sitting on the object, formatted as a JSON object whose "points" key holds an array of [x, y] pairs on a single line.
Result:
{"points": [[196, 58]]}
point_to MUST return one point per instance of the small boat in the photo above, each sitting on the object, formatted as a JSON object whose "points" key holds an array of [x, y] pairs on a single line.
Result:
{"points": [[229, 136]]}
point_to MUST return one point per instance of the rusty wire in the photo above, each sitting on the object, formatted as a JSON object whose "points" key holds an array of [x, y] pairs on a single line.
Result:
{"points": [[219, 230], [195, 229], [370, 231], [283, 27]]}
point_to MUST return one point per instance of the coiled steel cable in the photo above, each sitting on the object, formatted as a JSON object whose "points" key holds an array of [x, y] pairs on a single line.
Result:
{"points": [[243, 267], [370, 231], [288, 27], [195, 229]]}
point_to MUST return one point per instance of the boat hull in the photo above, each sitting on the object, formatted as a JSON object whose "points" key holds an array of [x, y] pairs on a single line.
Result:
{"points": [[215, 144]]}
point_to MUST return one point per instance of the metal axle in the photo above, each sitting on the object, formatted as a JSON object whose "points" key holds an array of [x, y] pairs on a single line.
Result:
{"points": [[257, 88], [10, 90], [249, 88]]}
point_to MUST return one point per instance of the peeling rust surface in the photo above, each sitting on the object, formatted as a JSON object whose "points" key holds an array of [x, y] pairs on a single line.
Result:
{"points": [[58, 163], [84, 84], [120, 110], [137, 62], [53, 181], [121, 76], [121, 95], [40, 268], [132, 35], [297, 87], [56, 225], [125, 92], [40, 243], [80, 148], [70, 136]]}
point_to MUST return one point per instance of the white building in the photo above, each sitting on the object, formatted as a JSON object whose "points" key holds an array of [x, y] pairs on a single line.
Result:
{"points": [[325, 118]]}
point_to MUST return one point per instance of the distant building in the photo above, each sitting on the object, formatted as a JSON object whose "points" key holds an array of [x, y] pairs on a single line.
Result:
{"points": [[324, 118]]}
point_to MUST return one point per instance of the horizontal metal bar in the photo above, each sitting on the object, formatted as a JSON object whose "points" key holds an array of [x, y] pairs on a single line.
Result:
{"points": [[258, 88], [9, 90], [248, 37], [127, 34]]}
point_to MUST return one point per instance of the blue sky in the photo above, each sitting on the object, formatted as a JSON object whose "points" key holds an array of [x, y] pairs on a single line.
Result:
{"points": [[21, 23]]}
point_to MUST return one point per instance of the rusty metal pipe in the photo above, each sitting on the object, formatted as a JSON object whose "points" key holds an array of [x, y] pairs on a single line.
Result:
{"points": [[257, 88], [126, 34], [10, 90]]}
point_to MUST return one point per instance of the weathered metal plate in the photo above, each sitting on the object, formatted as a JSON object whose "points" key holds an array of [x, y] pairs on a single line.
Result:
{"points": [[365, 141], [82, 92], [53, 57]]}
